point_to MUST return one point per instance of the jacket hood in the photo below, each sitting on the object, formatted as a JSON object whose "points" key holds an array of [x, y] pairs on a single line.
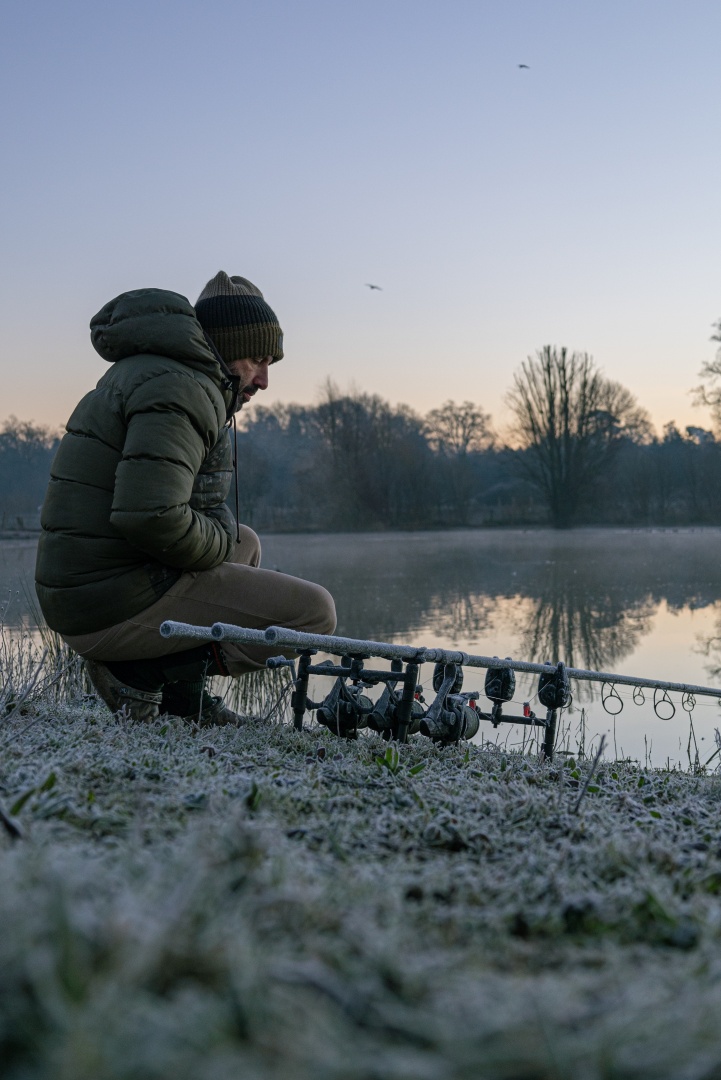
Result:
{"points": [[154, 321]]}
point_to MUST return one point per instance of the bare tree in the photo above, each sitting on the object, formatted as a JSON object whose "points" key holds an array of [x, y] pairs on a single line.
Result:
{"points": [[26, 450], [27, 439], [570, 421], [709, 392], [377, 457], [456, 430], [457, 434]]}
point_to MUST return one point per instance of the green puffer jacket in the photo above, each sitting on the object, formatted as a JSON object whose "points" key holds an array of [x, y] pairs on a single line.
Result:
{"points": [[138, 484]]}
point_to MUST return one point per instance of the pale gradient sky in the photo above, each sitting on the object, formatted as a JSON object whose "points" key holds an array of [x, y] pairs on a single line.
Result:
{"points": [[313, 146]]}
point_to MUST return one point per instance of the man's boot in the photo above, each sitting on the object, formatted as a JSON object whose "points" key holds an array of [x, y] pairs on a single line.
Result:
{"points": [[175, 683], [142, 705], [191, 701]]}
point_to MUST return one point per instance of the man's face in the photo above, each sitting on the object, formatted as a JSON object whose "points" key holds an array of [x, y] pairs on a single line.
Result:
{"points": [[253, 375]]}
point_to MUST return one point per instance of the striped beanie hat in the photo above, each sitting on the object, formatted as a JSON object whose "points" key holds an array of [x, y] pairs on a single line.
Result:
{"points": [[235, 315]]}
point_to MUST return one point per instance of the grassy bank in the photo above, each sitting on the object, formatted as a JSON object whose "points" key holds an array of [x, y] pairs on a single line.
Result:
{"points": [[258, 902]]}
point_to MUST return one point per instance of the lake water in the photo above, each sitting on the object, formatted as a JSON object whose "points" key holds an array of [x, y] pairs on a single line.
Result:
{"points": [[633, 601]]}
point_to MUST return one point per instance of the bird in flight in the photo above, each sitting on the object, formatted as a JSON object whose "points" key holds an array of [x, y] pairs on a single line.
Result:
{"points": [[524, 66], [379, 287]]}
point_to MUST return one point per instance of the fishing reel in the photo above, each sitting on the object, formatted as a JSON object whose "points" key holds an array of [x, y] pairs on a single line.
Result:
{"points": [[399, 711], [346, 708], [452, 715], [385, 717]]}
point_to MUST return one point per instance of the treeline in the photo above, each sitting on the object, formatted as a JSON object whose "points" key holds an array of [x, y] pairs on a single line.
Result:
{"points": [[26, 451], [354, 462], [580, 450]]}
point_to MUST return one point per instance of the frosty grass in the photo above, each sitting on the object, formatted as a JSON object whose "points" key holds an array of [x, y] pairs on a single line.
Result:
{"points": [[259, 903]]}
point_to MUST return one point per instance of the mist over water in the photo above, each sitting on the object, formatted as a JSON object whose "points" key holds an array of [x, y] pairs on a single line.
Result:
{"points": [[633, 601]]}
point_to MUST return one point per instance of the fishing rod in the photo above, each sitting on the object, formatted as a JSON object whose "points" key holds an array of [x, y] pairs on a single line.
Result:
{"points": [[342, 646], [448, 718]]}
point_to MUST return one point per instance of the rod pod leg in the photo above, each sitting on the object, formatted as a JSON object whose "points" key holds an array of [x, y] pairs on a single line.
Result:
{"points": [[549, 737], [299, 696], [406, 704]]}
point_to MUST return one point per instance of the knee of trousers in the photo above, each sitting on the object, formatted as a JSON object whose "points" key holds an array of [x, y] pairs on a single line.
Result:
{"points": [[247, 548], [321, 618]]}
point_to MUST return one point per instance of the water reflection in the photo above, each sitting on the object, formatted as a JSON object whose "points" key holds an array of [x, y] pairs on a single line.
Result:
{"points": [[641, 602], [18, 604], [587, 597], [709, 646], [459, 617], [571, 620]]}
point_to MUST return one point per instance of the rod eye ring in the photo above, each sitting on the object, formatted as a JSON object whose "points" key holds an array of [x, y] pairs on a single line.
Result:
{"points": [[611, 699], [662, 703], [688, 702], [639, 698]]}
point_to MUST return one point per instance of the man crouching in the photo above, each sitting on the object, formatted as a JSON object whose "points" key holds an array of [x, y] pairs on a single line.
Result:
{"points": [[135, 527]]}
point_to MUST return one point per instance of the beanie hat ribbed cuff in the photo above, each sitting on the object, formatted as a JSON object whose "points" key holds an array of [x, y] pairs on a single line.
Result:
{"points": [[255, 340]]}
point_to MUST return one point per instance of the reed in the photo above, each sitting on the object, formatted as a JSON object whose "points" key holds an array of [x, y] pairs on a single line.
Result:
{"points": [[262, 694], [36, 666], [38, 669]]}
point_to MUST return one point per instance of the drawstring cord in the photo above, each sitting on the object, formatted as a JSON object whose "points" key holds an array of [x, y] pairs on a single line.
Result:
{"points": [[231, 382], [235, 470]]}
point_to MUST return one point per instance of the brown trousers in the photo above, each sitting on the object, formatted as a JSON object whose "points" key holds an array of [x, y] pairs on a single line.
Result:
{"points": [[236, 592]]}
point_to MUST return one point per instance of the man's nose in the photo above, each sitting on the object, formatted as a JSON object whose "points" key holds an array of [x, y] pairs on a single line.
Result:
{"points": [[260, 380]]}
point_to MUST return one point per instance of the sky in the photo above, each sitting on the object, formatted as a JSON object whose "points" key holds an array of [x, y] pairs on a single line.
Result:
{"points": [[315, 146]]}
